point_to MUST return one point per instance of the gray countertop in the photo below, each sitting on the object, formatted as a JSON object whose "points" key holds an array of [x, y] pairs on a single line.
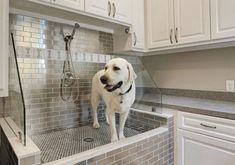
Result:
{"points": [[222, 109]]}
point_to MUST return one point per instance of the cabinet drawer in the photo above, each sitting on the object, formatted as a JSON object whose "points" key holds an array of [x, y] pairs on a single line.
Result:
{"points": [[212, 126]]}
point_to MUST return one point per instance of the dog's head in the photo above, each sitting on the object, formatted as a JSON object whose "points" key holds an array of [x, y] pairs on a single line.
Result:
{"points": [[117, 73]]}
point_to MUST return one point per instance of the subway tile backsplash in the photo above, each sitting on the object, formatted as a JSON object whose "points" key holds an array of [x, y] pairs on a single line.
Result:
{"points": [[39, 33], [40, 50]]}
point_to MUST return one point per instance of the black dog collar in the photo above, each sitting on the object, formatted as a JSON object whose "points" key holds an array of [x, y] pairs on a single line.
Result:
{"points": [[121, 94]]}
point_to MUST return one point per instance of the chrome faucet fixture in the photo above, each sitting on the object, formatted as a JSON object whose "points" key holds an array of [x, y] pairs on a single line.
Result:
{"points": [[68, 77]]}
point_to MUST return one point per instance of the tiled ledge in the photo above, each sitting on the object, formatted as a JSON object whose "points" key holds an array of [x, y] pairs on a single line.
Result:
{"points": [[27, 155]]}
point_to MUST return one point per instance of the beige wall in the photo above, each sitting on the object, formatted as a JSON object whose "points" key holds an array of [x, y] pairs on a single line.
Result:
{"points": [[1, 107], [199, 70]]}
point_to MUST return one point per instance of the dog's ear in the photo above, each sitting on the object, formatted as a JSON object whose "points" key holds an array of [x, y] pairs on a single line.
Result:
{"points": [[132, 74]]}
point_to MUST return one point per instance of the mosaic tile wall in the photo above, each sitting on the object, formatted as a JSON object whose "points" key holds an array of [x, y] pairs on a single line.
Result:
{"points": [[157, 150], [40, 50]]}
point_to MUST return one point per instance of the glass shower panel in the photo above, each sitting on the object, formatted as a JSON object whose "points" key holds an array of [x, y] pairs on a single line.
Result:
{"points": [[15, 107], [148, 95]]}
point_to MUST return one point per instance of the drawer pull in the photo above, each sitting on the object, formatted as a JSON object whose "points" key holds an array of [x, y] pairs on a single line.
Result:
{"points": [[208, 126], [114, 10], [109, 13]]}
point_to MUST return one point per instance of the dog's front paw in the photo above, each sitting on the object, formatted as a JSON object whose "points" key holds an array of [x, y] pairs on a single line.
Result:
{"points": [[96, 125], [114, 139], [121, 136]]}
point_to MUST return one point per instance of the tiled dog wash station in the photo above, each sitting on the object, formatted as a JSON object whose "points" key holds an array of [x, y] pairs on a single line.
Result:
{"points": [[62, 130], [46, 115]]}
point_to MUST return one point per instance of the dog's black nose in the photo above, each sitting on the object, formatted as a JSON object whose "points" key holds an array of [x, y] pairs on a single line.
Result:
{"points": [[104, 79]]}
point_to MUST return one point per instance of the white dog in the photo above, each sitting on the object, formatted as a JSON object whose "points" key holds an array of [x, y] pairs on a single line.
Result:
{"points": [[115, 84]]}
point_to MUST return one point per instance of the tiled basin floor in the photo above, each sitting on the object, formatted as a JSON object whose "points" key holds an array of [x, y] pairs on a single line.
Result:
{"points": [[59, 144]]}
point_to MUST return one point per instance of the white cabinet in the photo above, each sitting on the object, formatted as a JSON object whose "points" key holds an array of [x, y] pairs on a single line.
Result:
{"points": [[72, 4], [160, 23], [222, 18], [134, 40], [101, 8], [122, 10], [119, 10], [172, 22], [205, 140], [192, 20], [4, 35], [75, 5], [138, 29], [195, 149]]}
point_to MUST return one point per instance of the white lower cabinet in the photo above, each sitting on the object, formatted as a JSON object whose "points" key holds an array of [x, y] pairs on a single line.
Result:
{"points": [[205, 140], [197, 149]]}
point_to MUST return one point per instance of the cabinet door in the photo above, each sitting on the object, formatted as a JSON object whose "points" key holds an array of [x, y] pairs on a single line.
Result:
{"points": [[192, 20], [159, 23], [122, 10], [101, 8], [72, 4], [222, 18], [138, 24], [195, 149], [4, 35]]}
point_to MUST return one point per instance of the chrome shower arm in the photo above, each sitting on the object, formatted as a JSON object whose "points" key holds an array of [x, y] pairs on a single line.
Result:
{"points": [[69, 37], [74, 29]]}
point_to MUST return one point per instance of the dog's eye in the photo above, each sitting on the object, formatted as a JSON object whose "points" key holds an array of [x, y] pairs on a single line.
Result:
{"points": [[116, 68], [105, 68]]}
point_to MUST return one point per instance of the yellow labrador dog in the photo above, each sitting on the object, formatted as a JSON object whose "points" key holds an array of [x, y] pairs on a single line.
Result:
{"points": [[115, 84]]}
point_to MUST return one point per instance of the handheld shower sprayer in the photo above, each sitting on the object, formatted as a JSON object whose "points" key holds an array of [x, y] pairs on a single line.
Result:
{"points": [[68, 78]]}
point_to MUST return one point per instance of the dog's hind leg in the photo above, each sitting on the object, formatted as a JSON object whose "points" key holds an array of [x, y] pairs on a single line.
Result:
{"points": [[95, 100], [123, 117]]}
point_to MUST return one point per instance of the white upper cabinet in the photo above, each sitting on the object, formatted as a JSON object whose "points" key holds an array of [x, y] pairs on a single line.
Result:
{"points": [[160, 23], [134, 39], [122, 10], [222, 18], [101, 8], [119, 10], [172, 22], [138, 36], [72, 4], [192, 21], [4, 35]]}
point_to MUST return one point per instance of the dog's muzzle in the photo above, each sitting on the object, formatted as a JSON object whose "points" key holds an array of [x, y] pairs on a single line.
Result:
{"points": [[108, 87], [111, 88]]}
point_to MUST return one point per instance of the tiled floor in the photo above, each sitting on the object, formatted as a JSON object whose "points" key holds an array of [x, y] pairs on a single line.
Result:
{"points": [[60, 144]]}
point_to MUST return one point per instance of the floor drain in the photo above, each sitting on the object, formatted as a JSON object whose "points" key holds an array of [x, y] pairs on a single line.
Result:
{"points": [[88, 140]]}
